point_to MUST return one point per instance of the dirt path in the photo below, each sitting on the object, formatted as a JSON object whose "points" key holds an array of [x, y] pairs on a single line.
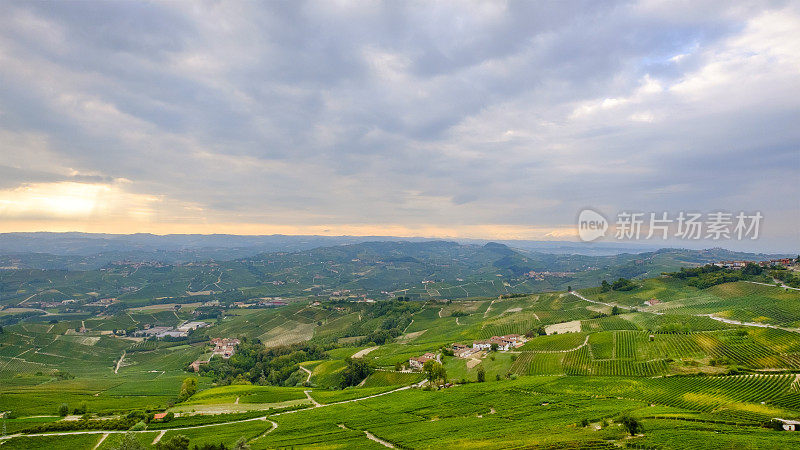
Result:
{"points": [[767, 284], [748, 324], [486, 313], [308, 378], [119, 363], [457, 321], [237, 401], [599, 303], [158, 438], [100, 442], [356, 399], [364, 352], [316, 403], [369, 435], [440, 312], [69, 433], [585, 343], [264, 418], [274, 426], [372, 437]]}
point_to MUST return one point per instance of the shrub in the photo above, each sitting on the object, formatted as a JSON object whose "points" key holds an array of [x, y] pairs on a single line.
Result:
{"points": [[631, 424], [63, 410]]}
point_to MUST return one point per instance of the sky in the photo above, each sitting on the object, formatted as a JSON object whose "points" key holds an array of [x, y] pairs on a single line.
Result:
{"points": [[438, 119]]}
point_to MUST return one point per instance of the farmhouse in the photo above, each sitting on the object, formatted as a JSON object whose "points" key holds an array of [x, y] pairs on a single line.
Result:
{"points": [[504, 343], [417, 363], [462, 351], [196, 365], [224, 347]]}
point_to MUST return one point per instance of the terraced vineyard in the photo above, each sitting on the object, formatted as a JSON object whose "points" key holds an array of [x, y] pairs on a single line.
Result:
{"points": [[668, 368]]}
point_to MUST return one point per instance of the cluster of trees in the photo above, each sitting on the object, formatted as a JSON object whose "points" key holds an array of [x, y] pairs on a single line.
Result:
{"points": [[188, 389], [788, 277], [355, 372], [63, 410], [538, 331], [622, 284], [394, 317], [435, 371], [710, 275], [254, 363]]}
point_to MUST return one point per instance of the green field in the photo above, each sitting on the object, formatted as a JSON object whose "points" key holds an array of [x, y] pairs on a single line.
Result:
{"points": [[692, 380]]}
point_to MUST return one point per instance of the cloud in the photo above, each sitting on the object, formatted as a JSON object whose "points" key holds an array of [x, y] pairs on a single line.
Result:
{"points": [[415, 116]]}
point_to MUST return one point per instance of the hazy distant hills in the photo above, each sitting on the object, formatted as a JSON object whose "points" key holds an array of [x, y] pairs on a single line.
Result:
{"points": [[378, 269]]}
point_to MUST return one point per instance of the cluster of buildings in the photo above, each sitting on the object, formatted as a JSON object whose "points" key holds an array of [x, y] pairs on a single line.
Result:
{"points": [[418, 362], [224, 347], [539, 276], [504, 343], [53, 304], [276, 302], [103, 302], [180, 331], [740, 264]]}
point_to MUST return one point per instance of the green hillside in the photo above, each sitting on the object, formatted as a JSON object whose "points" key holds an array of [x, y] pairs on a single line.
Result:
{"points": [[695, 367]]}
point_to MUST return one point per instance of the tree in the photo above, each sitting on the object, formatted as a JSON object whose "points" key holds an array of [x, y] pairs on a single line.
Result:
{"points": [[434, 371], [752, 269], [605, 287], [188, 388], [80, 409], [398, 366], [130, 442], [776, 425], [356, 371], [63, 410], [178, 442], [615, 310], [170, 415], [242, 444], [569, 288], [585, 423], [494, 346], [631, 424], [481, 375]]}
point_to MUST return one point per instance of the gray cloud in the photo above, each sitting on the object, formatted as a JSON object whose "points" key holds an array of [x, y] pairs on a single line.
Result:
{"points": [[501, 113]]}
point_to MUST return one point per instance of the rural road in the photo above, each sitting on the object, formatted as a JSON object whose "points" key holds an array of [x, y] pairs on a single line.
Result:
{"points": [[264, 418], [308, 378], [599, 303], [711, 316], [316, 403], [369, 435], [69, 433], [767, 284], [364, 352], [119, 363], [585, 342]]}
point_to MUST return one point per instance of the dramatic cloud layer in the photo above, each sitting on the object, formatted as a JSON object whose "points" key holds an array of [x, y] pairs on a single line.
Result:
{"points": [[448, 118]]}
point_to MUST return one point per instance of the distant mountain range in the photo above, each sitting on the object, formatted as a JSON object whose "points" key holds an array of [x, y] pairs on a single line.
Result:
{"points": [[376, 269], [82, 251]]}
